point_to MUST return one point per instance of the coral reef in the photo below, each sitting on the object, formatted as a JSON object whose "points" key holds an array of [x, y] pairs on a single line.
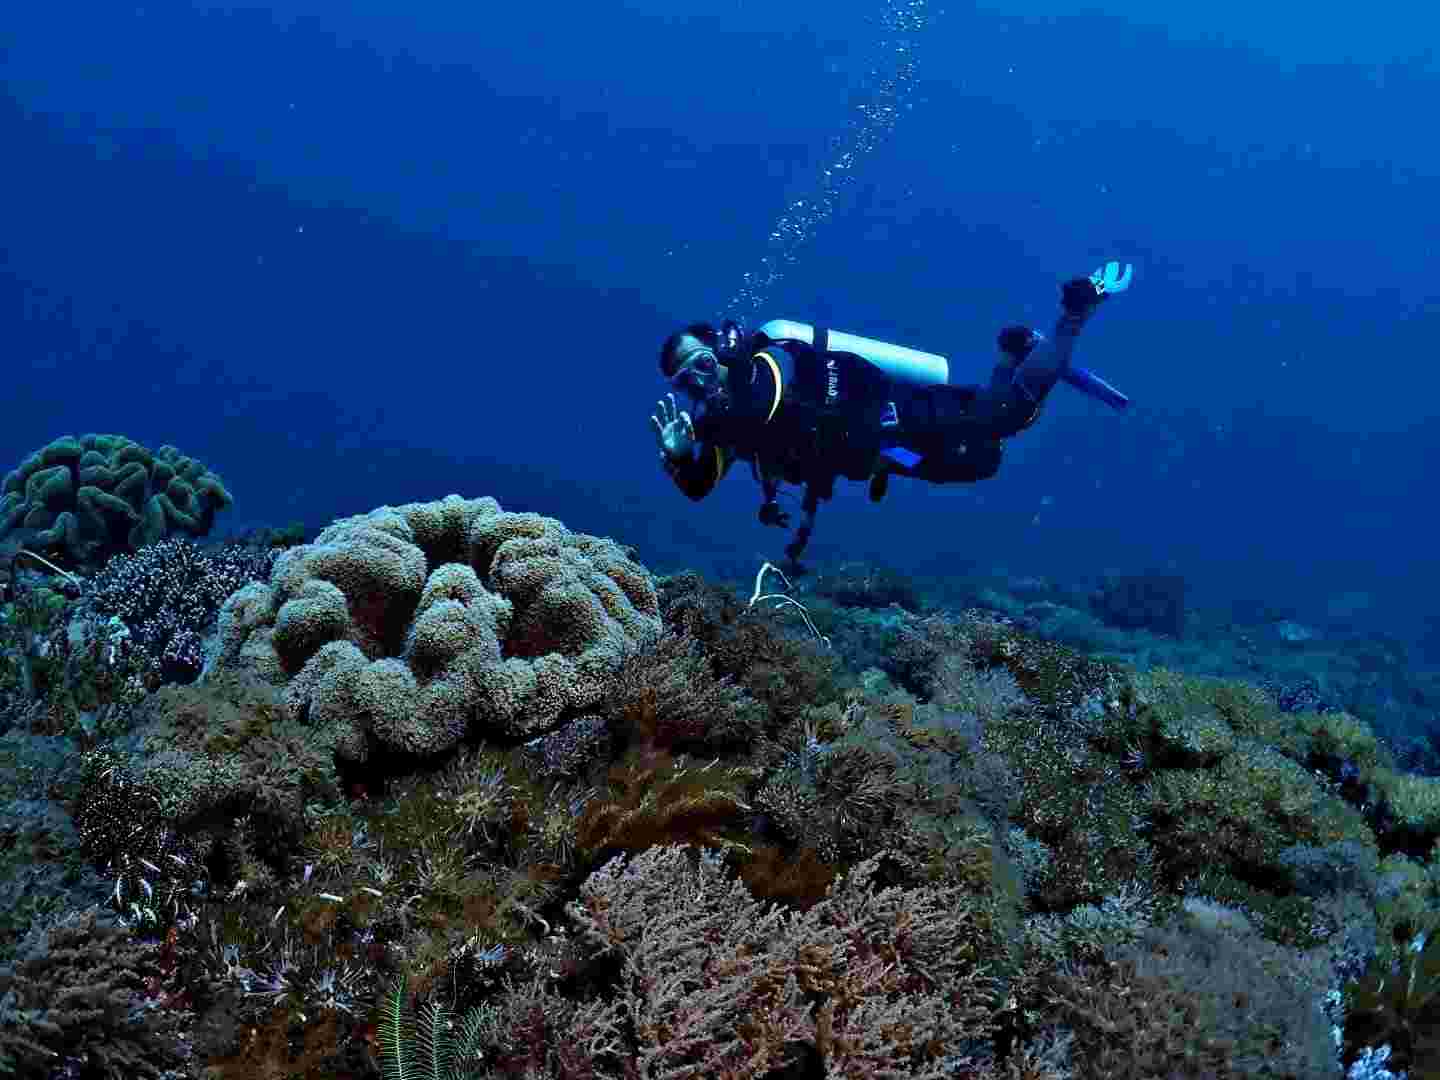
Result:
{"points": [[875, 979], [871, 982], [585, 825], [97, 495]]}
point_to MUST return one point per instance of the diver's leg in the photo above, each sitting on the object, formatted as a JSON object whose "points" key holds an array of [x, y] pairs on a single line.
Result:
{"points": [[963, 464]]}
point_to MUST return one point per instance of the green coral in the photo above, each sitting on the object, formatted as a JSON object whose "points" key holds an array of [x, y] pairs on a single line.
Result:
{"points": [[27, 664], [1413, 802], [1343, 737], [1396, 1003], [1074, 799], [1054, 677], [1225, 789], [229, 743], [98, 495], [1178, 720], [1187, 726], [1243, 813]]}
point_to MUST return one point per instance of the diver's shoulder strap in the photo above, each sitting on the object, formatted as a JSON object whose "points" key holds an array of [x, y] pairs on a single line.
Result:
{"points": [[771, 369]]}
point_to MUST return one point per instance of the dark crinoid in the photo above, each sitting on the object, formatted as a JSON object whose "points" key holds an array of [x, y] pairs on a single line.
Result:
{"points": [[125, 834]]}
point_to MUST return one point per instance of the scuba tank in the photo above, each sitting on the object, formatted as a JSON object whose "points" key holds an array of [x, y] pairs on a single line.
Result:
{"points": [[901, 363], [920, 368]]}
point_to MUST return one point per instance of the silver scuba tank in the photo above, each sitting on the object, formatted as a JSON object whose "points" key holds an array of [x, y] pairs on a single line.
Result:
{"points": [[900, 362]]}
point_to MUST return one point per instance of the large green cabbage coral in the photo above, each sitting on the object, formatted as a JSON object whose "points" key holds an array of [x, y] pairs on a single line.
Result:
{"points": [[98, 495], [401, 628]]}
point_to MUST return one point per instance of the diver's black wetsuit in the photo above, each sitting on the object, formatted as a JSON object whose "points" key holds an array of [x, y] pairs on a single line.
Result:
{"points": [[808, 416]]}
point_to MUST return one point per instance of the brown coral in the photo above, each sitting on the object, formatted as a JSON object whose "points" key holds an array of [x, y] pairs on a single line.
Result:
{"points": [[719, 985], [654, 799], [85, 990], [666, 696], [787, 672]]}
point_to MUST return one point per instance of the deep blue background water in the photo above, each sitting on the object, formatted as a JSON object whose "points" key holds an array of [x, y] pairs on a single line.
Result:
{"points": [[379, 252]]}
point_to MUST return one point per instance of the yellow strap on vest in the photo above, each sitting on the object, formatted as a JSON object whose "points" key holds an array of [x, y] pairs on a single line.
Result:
{"points": [[719, 464], [779, 389]]}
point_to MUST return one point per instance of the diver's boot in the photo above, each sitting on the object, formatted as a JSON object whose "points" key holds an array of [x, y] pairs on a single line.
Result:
{"points": [[879, 484]]}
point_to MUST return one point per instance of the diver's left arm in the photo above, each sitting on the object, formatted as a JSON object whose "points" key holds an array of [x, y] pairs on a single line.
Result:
{"points": [[1081, 297], [694, 464], [1012, 400]]}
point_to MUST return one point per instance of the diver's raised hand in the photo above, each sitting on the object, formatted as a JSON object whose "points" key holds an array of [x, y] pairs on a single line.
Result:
{"points": [[1109, 279], [674, 430], [1082, 295]]}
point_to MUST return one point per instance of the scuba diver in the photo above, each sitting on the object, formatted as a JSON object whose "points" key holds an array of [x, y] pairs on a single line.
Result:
{"points": [[806, 405]]}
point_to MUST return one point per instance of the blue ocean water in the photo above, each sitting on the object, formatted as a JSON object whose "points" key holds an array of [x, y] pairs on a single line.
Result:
{"points": [[368, 253]]}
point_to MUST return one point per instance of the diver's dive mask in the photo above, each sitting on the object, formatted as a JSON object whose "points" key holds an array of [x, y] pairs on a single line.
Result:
{"points": [[697, 373]]}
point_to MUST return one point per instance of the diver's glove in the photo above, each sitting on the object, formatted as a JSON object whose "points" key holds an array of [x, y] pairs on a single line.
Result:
{"points": [[674, 430], [1109, 279], [1083, 295]]}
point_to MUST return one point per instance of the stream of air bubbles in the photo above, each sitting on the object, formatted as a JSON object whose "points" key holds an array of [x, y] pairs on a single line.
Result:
{"points": [[887, 93]]}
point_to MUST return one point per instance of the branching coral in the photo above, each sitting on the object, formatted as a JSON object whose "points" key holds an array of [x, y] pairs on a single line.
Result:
{"points": [[167, 595], [717, 984], [786, 670], [668, 680], [77, 995], [1202, 998]]}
